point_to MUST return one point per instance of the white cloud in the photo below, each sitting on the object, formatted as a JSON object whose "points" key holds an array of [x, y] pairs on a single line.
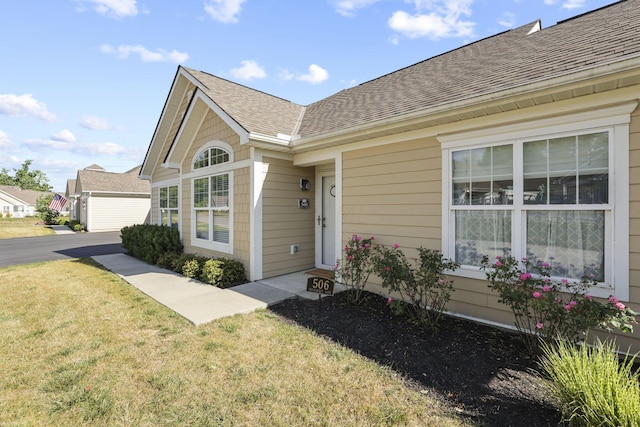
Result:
{"points": [[160, 55], [225, 11], [249, 70], [115, 8], [82, 148], [434, 19], [316, 75], [59, 165], [64, 135], [5, 142], [507, 19], [348, 7], [94, 123], [573, 4], [24, 106]]}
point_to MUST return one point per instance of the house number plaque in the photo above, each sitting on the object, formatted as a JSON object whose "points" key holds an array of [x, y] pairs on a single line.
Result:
{"points": [[320, 285]]}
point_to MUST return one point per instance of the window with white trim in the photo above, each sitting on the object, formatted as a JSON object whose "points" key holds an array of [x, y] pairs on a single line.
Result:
{"points": [[562, 200], [168, 206], [211, 208], [557, 195], [212, 215]]}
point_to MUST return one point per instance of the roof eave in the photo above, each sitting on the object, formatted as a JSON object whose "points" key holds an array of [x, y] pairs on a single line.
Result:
{"points": [[610, 70]]}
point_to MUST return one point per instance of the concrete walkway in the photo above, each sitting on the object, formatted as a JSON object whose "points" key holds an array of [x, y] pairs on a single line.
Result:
{"points": [[62, 229], [201, 303]]}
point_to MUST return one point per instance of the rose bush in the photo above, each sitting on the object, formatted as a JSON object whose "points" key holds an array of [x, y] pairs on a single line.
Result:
{"points": [[354, 269], [549, 309], [424, 286]]}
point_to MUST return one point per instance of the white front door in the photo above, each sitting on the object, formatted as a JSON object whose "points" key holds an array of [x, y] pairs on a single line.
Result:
{"points": [[326, 221]]}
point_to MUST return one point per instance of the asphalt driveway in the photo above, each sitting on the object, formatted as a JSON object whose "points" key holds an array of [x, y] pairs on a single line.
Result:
{"points": [[60, 246]]}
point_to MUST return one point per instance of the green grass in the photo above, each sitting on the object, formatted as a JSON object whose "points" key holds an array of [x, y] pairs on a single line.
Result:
{"points": [[78, 346], [11, 228], [593, 386]]}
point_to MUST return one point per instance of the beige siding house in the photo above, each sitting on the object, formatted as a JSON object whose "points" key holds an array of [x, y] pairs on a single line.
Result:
{"points": [[525, 143], [108, 201]]}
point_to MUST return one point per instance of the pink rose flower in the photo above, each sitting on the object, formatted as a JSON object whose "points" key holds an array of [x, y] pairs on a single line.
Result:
{"points": [[545, 264], [440, 281], [498, 264], [537, 295], [539, 325], [573, 303], [387, 268], [525, 276], [350, 257], [587, 297], [568, 307], [498, 257], [366, 246], [372, 238], [396, 246], [546, 288], [565, 281], [620, 306], [613, 300], [389, 300]]}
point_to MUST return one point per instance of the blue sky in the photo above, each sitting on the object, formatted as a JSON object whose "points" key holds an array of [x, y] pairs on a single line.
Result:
{"points": [[84, 81]]}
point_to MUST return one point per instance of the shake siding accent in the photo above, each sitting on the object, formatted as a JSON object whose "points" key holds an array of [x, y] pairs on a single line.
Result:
{"points": [[214, 129], [284, 224], [162, 174], [113, 213]]}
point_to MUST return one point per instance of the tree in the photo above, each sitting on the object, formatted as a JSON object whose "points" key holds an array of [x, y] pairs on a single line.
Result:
{"points": [[49, 216], [26, 179], [5, 178]]}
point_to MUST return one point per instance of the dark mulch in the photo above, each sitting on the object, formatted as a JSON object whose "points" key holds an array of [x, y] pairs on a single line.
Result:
{"points": [[485, 373]]}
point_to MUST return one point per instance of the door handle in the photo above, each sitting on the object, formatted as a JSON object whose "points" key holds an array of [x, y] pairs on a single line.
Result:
{"points": [[318, 219]]}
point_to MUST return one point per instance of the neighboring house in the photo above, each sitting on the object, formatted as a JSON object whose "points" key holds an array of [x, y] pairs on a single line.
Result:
{"points": [[72, 200], [18, 203], [527, 143], [108, 201]]}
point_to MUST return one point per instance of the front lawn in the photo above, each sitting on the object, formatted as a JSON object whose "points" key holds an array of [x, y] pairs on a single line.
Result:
{"points": [[11, 228], [79, 346]]}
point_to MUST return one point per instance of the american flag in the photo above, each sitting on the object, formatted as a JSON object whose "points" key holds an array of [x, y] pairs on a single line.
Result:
{"points": [[58, 202]]}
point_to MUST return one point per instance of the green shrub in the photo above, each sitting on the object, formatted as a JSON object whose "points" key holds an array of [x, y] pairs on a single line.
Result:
{"points": [[191, 268], [77, 227], [178, 262], [166, 259], [593, 387], [223, 273], [149, 241], [423, 283]]}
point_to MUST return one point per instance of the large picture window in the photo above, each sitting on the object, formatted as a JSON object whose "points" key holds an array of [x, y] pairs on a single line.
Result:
{"points": [[562, 197], [558, 195], [169, 206]]}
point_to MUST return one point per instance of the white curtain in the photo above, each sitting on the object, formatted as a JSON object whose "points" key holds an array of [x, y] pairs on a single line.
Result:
{"points": [[572, 242]]}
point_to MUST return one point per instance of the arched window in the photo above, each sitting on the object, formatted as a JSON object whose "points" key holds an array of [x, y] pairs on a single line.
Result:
{"points": [[211, 157]]}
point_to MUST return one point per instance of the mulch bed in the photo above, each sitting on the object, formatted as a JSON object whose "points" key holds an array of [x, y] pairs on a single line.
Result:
{"points": [[484, 373]]}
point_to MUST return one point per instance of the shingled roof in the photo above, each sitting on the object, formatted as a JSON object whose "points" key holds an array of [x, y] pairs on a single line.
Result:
{"points": [[255, 111], [112, 182], [28, 197], [507, 60]]}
